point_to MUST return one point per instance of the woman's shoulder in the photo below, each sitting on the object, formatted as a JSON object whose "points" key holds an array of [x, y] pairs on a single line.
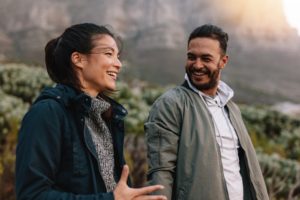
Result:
{"points": [[45, 110]]}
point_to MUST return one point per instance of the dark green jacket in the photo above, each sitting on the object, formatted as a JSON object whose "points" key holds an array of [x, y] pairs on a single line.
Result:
{"points": [[183, 154], [56, 158]]}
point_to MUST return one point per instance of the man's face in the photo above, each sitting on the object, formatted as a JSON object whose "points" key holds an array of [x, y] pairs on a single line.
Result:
{"points": [[204, 62]]}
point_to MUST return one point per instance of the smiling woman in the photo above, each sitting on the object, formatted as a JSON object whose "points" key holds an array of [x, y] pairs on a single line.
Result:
{"points": [[71, 140], [291, 10]]}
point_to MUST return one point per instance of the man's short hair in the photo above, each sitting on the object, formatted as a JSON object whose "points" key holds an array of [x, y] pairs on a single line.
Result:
{"points": [[211, 31]]}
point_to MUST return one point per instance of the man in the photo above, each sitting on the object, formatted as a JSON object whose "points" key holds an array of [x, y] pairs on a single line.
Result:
{"points": [[198, 146]]}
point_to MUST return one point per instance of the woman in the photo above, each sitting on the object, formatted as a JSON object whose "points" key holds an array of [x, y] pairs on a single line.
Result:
{"points": [[71, 140]]}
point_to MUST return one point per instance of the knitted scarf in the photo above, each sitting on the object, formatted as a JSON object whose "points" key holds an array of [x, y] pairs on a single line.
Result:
{"points": [[102, 139]]}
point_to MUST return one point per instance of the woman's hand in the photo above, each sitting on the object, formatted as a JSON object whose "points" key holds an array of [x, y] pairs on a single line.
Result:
{"points": [[123, 192]]}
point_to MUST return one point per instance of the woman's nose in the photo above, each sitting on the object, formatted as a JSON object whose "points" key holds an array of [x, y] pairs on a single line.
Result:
{"points": [[118, 63]]}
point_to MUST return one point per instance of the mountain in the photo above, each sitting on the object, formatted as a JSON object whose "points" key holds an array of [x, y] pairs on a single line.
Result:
{"points": [[263, 49]]}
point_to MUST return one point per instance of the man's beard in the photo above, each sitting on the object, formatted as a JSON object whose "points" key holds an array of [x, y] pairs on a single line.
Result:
{"points": [[212, 75]]}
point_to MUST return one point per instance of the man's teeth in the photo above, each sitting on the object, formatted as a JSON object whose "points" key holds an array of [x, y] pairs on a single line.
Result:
{"points": [[199, 73]]}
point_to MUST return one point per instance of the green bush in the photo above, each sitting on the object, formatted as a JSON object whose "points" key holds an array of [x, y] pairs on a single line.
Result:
{"points": [[280, 175], [12, 110], [23, 81], [137, 99]]}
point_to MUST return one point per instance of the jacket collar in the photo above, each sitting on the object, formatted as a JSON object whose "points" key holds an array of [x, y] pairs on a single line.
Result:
{"points": [[225, 93], [71, 97]]}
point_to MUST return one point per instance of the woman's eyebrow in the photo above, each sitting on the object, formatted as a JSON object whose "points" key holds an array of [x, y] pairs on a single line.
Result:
{"points": [[104, 48]]}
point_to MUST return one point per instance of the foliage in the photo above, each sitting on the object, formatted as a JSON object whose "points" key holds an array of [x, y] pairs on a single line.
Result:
{"points": [[277, 139], [137, 98], [280, 174], [275, 136], [22, 81], [11, 111]]}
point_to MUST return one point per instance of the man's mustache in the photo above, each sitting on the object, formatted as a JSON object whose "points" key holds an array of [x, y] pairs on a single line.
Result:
{"points": [[203, 70]]}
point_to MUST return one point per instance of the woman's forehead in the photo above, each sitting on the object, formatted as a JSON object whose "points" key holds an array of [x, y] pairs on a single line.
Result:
{"points": [[104, 40]]}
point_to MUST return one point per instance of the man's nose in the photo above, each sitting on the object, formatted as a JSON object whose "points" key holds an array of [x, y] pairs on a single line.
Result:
{"points": [[198, 63]]}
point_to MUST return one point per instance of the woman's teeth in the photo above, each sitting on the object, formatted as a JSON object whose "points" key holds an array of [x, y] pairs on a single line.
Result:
{"points": [[112, 74]]}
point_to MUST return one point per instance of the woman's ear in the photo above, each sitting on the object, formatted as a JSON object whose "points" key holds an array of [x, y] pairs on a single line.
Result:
{"points": [[77, 60]]}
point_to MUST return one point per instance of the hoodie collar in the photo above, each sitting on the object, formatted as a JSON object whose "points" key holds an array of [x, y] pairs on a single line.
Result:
{"points": [[70, 97], [224, 93]]}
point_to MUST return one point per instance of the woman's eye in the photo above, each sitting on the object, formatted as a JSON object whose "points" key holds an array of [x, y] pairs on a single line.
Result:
{"points": [[108, 54]]}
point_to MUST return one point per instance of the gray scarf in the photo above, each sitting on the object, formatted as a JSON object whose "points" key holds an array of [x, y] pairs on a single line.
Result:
{"points": [[102, 139]]}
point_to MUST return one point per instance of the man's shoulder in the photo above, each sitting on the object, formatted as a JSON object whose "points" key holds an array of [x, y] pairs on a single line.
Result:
{"points": [[178, 92], [174, 98]]}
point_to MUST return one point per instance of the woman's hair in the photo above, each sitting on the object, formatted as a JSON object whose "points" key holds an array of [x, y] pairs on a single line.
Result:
{"points": [[58, 51]]}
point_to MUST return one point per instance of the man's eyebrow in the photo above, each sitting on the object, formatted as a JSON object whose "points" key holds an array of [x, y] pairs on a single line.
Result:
{"points": [[202, 55], [206, 55]]}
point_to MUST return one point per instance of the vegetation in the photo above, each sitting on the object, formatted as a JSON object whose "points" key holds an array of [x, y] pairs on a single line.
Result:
{"points": [[275, 136]]}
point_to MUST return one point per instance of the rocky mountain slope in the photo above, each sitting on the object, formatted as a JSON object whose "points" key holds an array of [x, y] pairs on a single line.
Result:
{"points": [[263, 49]]}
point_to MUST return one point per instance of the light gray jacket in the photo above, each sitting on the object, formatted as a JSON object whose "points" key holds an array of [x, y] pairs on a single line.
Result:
{"points": [[183, 154]]}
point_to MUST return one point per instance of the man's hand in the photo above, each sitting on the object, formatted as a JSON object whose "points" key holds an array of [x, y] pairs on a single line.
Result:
{"points": [[123, 192]]}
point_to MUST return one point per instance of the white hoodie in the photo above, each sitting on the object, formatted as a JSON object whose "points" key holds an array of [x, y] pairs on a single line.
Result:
{"points": [[226, 137]]}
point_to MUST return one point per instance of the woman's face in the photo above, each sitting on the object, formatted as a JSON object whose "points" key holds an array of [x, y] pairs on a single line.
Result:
{"points": [[100, 68]]}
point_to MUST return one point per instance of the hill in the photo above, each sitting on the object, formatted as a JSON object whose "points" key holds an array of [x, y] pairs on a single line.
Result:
{"points": [[263, 49]]}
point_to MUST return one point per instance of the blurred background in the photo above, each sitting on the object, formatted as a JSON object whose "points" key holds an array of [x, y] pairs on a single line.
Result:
{"points": [[264, 49]]}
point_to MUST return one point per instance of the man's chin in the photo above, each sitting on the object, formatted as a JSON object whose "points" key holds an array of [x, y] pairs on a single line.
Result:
{"points": [[202, 85], [199, 82]]}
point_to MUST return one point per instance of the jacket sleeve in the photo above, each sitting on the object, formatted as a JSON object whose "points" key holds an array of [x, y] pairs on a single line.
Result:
{"points": [[38, 155], [162, 136]]}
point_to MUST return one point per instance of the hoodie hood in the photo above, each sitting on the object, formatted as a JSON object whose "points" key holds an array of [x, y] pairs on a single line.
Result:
{"points": [[225, 93], [75, 99], [61, 93]]}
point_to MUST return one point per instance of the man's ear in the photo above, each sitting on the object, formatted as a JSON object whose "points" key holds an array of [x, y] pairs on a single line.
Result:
{"points": [[224, 61], [77, 60]]}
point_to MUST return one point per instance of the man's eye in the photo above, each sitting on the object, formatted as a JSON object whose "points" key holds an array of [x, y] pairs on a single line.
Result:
{"points": [[205, 59], [191, 57], [108, 54]]}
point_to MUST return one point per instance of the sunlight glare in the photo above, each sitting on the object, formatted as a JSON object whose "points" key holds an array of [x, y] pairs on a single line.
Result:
{"points": [[292, 13]]}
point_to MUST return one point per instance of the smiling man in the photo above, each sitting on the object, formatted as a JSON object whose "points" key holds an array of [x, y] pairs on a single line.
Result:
{"points": [[198, 146]]}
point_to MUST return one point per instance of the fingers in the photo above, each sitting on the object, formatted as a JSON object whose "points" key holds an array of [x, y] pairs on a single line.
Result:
{"points": [[125, 173], [151, 197], [148, 189]]}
